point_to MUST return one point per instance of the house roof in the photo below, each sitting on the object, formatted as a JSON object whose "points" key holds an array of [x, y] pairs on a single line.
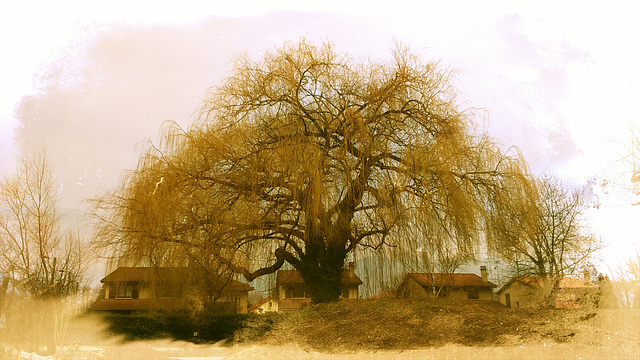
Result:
{"points": [[451, 280], [536, 282], [136, 304], [257, 304], [294, 277], [146, 274]]}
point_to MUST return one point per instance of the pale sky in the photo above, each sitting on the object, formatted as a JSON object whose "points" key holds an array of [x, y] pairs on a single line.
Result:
{"points": [[91, 81]]}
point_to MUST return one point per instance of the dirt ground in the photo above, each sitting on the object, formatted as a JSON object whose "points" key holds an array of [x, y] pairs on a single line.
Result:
{"points": [[173, 350], [538, 351], [611, 334]]}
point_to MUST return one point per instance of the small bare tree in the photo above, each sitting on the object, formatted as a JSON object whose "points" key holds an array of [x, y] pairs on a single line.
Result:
{"points": [[635, 162], [545, 236], [626, 283], [39, 258]]}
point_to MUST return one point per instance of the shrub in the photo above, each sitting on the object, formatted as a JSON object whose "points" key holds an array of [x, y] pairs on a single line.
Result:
{"points": [[180, 326]]}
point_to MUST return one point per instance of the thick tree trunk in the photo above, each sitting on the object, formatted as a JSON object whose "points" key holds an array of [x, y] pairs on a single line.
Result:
{"points": [[549, 289], [322, 273]]}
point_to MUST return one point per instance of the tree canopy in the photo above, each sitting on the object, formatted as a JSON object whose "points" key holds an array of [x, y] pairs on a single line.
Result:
{"points": [[305, 156]]}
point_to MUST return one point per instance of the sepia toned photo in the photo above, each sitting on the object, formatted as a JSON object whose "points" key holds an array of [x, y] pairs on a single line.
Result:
{"points": [[335, 180]]}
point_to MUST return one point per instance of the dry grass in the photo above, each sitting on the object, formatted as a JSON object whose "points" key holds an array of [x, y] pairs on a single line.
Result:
{"points": [[402, 324], [398, 329], [394, 329], [450, 351]]}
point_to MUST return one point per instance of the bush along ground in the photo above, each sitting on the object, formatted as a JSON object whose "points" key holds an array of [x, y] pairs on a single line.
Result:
{"points": [[178, 326]]}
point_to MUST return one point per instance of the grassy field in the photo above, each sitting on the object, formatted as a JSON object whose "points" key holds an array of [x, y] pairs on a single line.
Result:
{"points": [[399, 328], [373, 329]]}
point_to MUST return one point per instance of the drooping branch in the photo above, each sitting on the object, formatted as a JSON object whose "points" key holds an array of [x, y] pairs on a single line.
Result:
{"points": [[307, 156]]}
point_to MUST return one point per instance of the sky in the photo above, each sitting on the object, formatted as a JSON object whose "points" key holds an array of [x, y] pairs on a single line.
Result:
{"points": [[91, 82]]}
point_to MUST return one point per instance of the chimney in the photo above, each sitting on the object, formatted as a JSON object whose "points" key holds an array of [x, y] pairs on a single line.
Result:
{"points": [[483, 273], [587, 277], [352, 269]]}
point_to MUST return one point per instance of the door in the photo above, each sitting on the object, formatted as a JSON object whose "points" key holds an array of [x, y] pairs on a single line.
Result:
{"points": [[507, 300]]}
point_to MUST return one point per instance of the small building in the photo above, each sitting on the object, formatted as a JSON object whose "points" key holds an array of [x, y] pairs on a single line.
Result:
{"points": [[528, 292], [292, 293], [166, 288], [447, 285]]}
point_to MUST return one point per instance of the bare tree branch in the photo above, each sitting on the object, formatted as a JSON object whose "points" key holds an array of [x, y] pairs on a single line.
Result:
{"points": [[306, 157]]}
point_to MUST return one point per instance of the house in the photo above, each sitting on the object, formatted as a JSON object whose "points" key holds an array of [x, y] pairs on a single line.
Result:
{"points": [[165, 288], [528, 291], [292, 293], [446, 285]]}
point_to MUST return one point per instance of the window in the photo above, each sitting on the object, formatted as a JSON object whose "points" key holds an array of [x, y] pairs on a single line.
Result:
{"points": [[125, 291], [112, 291], [295, 292]]}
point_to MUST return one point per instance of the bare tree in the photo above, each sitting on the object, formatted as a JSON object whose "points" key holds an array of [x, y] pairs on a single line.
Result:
{"points": [[623, 289], [39, 258], [634, 154], [546, 234], [304, 157]]}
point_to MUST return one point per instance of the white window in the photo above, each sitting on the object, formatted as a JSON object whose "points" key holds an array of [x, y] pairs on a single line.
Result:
{"points": [[125, 291], [295, 292]]}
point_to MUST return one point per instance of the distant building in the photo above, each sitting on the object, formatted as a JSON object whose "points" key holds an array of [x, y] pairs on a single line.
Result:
{"points": [[528, 291], [447, 285], [292, 293], [165, 288]]}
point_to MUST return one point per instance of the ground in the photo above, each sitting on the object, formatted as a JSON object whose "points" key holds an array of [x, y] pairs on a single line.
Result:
{"points": [[387, 329]]}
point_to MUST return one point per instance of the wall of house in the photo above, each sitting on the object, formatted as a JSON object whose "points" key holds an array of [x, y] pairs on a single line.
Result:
{"points": [[463, 293], [526, 297], [242, 302], [145, 292], [457, 294], [284, 303], [350, 292], [293, 304], [485, 293], [521, 296], [410, 289]]}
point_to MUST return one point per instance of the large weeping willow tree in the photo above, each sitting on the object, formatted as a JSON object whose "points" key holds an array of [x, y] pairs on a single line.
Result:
{"points": [[306, 156]]}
